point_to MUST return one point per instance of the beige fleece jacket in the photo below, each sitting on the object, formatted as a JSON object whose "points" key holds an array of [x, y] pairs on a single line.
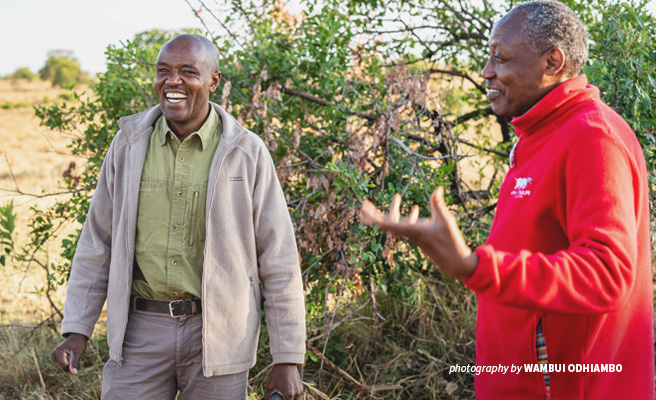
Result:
{"points": [[250, 250]]}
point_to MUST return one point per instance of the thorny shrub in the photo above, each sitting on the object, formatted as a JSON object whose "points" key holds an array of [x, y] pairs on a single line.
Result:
{"points": [[360, 99]]}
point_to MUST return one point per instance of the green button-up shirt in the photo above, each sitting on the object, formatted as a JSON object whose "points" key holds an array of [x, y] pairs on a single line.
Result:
{"points": [[171, 215]]}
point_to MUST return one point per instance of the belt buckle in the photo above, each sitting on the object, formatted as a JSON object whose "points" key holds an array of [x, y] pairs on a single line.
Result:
{"points": [[174, 310]]}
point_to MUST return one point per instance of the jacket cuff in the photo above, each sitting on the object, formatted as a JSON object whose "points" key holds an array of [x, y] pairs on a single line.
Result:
{"points": [[71, 327], [288, 358], [476, 281]]}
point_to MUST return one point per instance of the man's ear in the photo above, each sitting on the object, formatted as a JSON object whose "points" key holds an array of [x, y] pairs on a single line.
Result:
{"points": [[555, 62], [216, 77]]}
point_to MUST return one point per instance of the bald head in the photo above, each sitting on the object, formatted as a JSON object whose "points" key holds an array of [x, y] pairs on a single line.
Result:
{"points": [[203, 47]]}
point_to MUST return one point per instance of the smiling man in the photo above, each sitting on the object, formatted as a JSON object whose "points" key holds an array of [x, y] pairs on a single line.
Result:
{"points": [[187, 228], [564, 279]]}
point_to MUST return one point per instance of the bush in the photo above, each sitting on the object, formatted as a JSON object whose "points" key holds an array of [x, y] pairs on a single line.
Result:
{"points": [[63, 69], [23, 73], [7, 105], [623, 65]]}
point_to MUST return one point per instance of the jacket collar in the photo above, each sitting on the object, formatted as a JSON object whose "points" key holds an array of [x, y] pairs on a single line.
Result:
{"points": [[556, 103], [139, 125]]}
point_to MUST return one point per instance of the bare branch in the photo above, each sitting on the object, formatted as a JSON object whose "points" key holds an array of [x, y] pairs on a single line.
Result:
{"points": [[491, 151], [412, 153], [460, 74], [220, 22], [317, 100]]}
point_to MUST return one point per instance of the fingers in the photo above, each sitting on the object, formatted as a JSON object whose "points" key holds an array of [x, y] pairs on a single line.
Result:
{"points": [[395, 209], [414, 215], [369, 214], [439, 211], [392, 222]]}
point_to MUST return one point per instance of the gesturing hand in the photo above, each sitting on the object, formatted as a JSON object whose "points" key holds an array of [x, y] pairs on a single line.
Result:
{"points": [[438, 237]]}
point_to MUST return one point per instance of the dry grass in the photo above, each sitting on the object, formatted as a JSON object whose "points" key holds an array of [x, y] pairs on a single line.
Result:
{"points": [[32, 160]]}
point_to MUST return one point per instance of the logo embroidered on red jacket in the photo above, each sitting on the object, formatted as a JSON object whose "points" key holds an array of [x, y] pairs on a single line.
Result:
{"points": [[521, 188]]}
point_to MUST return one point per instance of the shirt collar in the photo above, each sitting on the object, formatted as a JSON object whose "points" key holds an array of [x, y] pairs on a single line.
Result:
{"points": [[209, 128]]}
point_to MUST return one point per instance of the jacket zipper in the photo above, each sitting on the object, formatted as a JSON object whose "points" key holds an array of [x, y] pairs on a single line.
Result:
{"points": [[512, 158], [208, 206]]}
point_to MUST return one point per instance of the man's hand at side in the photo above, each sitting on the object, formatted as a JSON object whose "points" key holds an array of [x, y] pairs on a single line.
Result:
{"points": [[285, 380], [438, 237], [69, 352]]}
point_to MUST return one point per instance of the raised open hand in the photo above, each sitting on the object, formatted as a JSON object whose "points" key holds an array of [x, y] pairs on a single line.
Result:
{"points": [[438, 237]]}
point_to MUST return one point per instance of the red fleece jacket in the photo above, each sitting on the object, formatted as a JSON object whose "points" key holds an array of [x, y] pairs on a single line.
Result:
{"points": [[569, 243]]}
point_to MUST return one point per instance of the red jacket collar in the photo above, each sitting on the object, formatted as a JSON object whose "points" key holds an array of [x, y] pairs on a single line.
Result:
{"points": [[555, 104]]}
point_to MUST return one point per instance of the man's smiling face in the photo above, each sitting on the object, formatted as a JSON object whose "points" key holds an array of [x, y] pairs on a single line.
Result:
{"points": [[515, 73], [185, 77]]}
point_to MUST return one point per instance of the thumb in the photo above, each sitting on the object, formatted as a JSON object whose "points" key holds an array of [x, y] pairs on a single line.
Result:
{"points": [[73, 361]]}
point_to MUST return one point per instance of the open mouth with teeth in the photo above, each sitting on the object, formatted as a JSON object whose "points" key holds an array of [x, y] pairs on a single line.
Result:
{"points": [[493, 93], [175, 97]]}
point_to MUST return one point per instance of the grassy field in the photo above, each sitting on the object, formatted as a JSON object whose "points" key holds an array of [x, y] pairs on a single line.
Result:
{"points": [[32, 160]]}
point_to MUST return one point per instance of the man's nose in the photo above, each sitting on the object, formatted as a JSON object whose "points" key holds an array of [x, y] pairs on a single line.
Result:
{"points": [[174, 78], [488, 70]]}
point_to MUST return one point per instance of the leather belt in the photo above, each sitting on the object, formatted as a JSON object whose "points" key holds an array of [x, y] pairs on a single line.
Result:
{"points": [[175, 308]]}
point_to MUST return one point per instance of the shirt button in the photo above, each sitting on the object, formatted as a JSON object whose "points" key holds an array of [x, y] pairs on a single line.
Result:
{"points": [[175, 227], [174, 262], [179, 194], [181, 159]]}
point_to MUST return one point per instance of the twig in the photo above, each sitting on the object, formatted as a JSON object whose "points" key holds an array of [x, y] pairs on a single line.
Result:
{"points": [[38, 369], [473, 114], [499, 153], [320, 101], [40, 196], [11, 172], [460, 74], [332, 317], [360, 388], [412, 153], [372, 296], [222, 24], [311, 160], [202, 21], [338, 323]]}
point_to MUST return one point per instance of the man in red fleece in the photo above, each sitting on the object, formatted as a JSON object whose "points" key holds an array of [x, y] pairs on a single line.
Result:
{"points": [[564, 279]]}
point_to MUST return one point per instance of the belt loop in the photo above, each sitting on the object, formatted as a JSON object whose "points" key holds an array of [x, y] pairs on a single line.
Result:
{"points": [[133, 300], [194, 311]]}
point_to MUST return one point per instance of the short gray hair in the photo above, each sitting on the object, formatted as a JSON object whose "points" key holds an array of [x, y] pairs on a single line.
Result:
{"points": [[551, 24]]}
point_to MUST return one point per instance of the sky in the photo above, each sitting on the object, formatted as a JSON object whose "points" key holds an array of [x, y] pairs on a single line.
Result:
{"points": [[31, 28]]}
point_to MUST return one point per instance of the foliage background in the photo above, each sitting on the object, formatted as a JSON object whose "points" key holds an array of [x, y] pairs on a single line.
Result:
{"points": [[355, 99]]}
